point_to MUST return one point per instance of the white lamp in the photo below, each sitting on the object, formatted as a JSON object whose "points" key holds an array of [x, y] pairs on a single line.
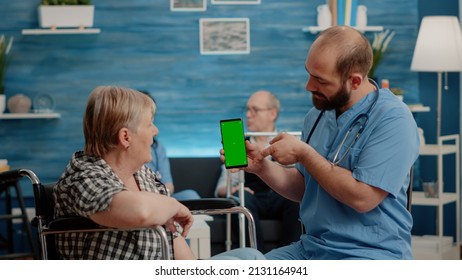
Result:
{"points": [[438, 49]]}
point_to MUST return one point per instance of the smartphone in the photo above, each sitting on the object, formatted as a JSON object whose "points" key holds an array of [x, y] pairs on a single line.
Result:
{"points": [[233, 140]]}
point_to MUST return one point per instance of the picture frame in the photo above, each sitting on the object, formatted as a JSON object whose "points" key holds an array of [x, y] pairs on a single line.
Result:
{"points": [[224, 36], [236, 2], [188, 5]]}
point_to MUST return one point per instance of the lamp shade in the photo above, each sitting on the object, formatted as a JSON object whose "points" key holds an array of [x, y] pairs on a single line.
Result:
{"points": [[439, 45]]}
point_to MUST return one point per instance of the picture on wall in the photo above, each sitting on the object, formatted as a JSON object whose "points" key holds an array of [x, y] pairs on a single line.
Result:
{"points": [[235, 2], [224, 35], [188, 5]]}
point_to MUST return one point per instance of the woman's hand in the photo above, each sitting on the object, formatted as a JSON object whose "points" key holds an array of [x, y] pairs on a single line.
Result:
{"points": [[183, 217]]}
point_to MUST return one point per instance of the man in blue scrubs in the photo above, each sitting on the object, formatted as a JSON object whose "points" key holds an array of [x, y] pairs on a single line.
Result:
{"points": [[359, 144]]}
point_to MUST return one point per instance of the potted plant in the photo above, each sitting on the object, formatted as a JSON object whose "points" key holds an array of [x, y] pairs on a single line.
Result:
{"points": [[66, 13], [398, 92], [5, 48], [379, 47]]}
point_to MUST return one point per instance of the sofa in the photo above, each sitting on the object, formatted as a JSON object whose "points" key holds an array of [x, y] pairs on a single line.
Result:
{"points": [[201, 174]]}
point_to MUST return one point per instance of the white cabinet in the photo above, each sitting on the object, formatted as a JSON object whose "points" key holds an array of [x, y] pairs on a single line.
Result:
{"points": [[439, 246]]}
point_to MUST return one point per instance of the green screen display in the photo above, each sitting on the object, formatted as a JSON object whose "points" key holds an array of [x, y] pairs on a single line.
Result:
{"points": [[232, 137]]}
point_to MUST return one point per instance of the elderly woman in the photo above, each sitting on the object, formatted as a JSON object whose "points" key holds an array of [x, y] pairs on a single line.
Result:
{"points": [[109, 183]]}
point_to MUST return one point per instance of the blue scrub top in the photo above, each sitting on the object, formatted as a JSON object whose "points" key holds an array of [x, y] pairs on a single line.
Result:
{"points": [[381, 157]]}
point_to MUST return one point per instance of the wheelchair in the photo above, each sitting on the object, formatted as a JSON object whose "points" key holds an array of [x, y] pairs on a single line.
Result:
{"points": [[48, 226]]}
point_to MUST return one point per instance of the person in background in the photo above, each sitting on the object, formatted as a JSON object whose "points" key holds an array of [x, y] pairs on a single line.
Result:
{"points": [[261, 115], [353, 165], [109, 183], [160, 164]]}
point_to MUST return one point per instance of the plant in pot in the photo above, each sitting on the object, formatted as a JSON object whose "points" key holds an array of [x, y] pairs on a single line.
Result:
{"points": [[399, 92], [66, 13], [6, 43], [379, 47]]}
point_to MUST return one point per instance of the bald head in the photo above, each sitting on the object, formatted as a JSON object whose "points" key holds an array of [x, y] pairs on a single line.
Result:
{"points": [[262, 111], [268, 98], [352, 50]]}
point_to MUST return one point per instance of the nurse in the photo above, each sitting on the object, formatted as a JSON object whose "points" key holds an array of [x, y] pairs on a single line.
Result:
{"points": [[353, 166]]}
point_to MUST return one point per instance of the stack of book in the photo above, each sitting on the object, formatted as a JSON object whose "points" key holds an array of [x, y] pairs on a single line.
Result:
{"points": [[343, 12]]}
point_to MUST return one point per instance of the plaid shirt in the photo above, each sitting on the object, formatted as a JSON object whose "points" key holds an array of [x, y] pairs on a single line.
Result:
{"points": [[87, 186]]}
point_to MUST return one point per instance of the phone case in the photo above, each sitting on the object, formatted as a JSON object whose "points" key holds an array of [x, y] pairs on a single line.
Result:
{"points": [[233, 140]]}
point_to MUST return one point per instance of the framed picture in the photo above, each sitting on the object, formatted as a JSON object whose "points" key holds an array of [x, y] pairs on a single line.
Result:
{"points": [[235, 2], [224, 35], [188, 5]]}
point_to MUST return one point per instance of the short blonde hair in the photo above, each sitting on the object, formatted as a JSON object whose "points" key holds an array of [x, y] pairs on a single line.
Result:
{"points": [[108, 110]]}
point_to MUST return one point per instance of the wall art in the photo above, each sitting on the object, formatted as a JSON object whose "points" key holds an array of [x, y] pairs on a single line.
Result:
{"points": [[188, 5], [224, 35]]}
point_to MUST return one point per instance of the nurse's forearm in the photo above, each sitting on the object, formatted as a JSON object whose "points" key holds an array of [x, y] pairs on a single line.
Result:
{"points": [[288, 182], [339, 182]]}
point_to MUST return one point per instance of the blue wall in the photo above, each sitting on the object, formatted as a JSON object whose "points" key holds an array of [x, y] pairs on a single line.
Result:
{"points": [[144, 45]]}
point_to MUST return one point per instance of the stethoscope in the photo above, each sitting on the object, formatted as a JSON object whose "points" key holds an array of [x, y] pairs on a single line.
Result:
{"points": [[360, 120]]}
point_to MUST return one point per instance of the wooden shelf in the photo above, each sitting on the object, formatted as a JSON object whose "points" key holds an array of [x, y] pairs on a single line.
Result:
{"points": [[63, 31], [439, 150], [418, 198], [435, 149], [432, 247], [316, 29], [13, 116], [418, 108]]}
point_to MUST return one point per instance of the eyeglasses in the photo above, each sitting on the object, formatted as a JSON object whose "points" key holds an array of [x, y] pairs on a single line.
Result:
{"points": [[255, 111]]}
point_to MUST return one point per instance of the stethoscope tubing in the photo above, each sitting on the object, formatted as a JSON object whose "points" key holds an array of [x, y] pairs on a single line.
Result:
{"points": [[336, 161]]}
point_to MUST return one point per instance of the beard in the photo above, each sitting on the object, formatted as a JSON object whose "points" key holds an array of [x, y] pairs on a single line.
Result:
{"points": [[338, 101]]}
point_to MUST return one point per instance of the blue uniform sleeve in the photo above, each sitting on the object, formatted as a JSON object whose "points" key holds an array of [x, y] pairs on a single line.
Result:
{"points": [[393, 146]]}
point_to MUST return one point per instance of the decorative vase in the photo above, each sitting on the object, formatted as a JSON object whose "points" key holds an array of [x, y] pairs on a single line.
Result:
{"points": [[361, 16], [2, 103], [19, 104], [324, 18]]}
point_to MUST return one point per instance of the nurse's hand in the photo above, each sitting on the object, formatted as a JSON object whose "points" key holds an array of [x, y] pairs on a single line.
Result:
{"points": [[254, 158], [285, 149]]}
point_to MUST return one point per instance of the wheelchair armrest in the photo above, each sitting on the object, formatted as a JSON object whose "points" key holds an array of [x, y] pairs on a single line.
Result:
{"points": [[82, 224], [72, 223], [209, 203]]}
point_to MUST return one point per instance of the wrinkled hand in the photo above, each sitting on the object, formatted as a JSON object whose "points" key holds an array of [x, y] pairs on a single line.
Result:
{"points": [[284, 148], [183, 217]]}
